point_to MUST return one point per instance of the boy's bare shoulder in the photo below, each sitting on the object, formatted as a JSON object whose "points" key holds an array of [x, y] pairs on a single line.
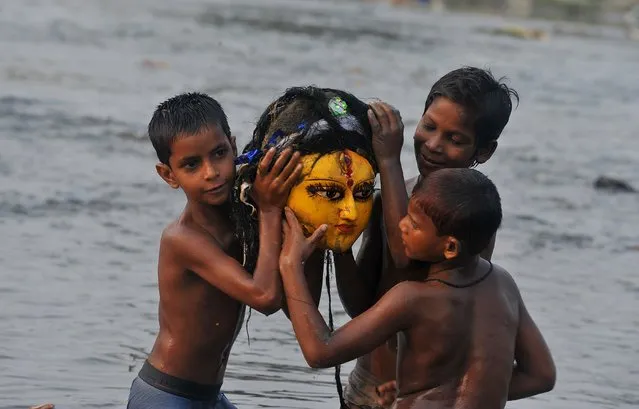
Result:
{"points": [[409, 292], [504, 276], [506, 283], [179, 236]]}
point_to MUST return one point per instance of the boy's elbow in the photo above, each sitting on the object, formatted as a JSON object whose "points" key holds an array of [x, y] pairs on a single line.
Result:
{"points": [[268, 304], [548, 379], [315, 360]]}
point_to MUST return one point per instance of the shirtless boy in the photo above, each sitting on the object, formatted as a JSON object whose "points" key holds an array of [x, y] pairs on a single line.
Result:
{"points": [[461, 321], [464, 115], [203, 286]]}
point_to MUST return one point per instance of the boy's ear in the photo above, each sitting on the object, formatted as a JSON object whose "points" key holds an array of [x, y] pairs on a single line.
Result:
{"points": [[166, 173], [486, 152], [233, 145], [452, 248]]}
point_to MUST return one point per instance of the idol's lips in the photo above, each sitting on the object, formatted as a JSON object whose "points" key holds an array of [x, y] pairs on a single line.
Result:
{"points": [[345, 228]]}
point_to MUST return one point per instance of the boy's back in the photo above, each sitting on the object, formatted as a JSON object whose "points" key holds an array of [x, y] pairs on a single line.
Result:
{"points": [[460, 351]]}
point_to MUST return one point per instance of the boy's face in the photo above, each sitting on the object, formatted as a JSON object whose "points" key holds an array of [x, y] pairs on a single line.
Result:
{"points": [[421, 240], [202, 165], [335, 189], [444, 138]]}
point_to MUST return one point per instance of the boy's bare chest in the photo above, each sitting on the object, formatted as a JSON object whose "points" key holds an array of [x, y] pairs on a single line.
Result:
{"points": [[217, 314]]}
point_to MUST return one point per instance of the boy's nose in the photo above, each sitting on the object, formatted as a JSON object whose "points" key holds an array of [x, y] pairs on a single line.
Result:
{"points": [[434, 144], [402, 224], [211, 172]]}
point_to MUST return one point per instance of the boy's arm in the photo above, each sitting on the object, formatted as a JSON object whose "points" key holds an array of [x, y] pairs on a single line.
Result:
{"points": [[199, 253], [388, 140], [357, 281], [534, 371], [314, 273], [359, 336]]}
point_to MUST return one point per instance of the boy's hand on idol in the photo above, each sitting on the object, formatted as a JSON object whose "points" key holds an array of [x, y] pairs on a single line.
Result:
{"points": [[388, 131], [272, 187], [297, 247], [386, 394]]}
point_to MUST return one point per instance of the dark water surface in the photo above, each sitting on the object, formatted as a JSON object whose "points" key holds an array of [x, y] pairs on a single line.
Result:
{"points": [[81, 208]]}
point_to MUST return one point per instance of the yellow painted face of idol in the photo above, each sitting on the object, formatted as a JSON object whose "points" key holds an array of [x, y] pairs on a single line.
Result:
{"points": [[337, 190]]}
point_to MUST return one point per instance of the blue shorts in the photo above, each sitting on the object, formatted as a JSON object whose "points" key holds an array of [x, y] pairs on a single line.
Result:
{"points": [[153, 389]]}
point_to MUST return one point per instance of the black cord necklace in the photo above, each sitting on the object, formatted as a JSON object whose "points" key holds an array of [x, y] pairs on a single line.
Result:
{"points": [[472, 283]]}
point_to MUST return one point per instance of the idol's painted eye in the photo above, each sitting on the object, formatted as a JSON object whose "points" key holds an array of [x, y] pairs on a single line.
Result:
{"points": [[330, 191], [363, 191]]}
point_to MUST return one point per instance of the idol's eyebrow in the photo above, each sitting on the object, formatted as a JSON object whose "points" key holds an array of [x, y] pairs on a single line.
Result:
{"points": [[323, 180], [371, 180]]}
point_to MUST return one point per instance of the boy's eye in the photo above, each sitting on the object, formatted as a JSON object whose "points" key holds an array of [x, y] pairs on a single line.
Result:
{"points": [[429, 127], [190, 165], [457, 140], [220, 153]]}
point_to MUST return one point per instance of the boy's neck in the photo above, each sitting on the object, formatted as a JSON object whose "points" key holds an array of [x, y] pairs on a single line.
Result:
{"points": [[209, 216], [459, 266]]}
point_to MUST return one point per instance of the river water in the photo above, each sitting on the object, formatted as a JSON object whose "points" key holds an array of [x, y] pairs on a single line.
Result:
{"points": [[81, 208]]}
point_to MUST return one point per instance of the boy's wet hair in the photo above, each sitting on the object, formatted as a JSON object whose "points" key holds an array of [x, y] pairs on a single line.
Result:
{"points": [[485, 100], [462, 203], [305, 119], [184, 114]]}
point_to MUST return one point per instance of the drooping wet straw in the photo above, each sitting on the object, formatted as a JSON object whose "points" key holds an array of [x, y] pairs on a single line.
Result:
{"points": [[331, 327]]}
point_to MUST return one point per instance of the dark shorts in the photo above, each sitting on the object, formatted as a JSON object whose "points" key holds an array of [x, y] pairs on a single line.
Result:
{"points": [[155, 389]]}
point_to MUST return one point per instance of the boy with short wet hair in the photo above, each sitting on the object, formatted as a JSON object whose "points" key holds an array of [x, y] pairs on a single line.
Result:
{"points": [[203, 286], [461, 321], [465, 112]]}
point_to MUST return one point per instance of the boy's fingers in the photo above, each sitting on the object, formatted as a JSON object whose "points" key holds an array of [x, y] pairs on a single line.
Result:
{"points": [[281, 161], [291, 219], [290, 167], [392, 114], [293, 177], [382, 118], [390, 386], [375, 126], [262, 168], [317, 234]]}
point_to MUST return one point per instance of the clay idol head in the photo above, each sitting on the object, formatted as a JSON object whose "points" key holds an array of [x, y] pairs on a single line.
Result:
{"points": [[330, 129]]}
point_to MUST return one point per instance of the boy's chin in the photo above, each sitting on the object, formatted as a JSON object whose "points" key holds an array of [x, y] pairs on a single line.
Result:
{"points": [[217, 200]]}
